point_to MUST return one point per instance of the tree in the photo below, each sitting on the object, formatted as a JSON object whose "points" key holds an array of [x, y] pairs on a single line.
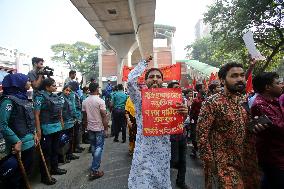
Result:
{"points": [[80, 56], [229, 18], [213, 52]]}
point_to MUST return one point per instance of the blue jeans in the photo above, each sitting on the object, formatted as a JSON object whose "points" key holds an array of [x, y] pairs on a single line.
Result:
{"points": [[97, 140]]}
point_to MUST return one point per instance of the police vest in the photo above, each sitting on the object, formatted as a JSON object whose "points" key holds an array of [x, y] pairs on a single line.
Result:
{"points": [[22, 120], [67, 112], [78, 102], [53, 109]]}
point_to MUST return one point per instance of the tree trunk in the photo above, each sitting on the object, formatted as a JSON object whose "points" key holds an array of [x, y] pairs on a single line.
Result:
{"points": [[274, 52]]}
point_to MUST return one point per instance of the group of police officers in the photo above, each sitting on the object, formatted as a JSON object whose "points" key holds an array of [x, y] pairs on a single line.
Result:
{"points": [[44, 123]]}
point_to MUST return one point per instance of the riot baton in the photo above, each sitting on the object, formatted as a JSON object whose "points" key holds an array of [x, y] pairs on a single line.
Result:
{"points": [[44, 163], [23, 171]]}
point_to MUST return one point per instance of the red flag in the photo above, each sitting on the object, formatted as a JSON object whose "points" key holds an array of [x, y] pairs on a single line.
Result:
{"points": [[249, 87], [194, 83]]}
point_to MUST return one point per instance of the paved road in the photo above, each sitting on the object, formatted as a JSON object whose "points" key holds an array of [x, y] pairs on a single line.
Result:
{"points": [[116, 165]]}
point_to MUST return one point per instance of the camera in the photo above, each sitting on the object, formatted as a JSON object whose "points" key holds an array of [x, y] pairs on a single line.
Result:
{"points": [[46, 71]]}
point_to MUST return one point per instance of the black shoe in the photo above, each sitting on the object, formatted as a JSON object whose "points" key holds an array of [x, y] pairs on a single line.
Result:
{"points": [[64, 162], [123, 141], [72, 157], [58, 171], [182, 186], [77, 150], [48, 182], [115, 140]]}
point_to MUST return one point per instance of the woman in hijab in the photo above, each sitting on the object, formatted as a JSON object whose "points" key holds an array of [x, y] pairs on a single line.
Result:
{"points": [[74, 85], [68, 114], [17, 124]]}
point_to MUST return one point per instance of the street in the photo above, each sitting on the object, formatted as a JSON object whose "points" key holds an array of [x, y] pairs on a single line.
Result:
{"points": [[116, 166]]}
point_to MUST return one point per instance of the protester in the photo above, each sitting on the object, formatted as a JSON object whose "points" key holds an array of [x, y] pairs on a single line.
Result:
{"points": [[194, 113], [35, 76], [94, 113], [68, 114], [118, 102], [131, 123], [49, 121], [72, 77], [151, 159], [178, 151], [270, 142], [17, 126], [214, 87], [225, 143]]}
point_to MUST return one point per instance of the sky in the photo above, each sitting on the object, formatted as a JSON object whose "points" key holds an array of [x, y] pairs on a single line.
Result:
{"points": [[32, 26]]}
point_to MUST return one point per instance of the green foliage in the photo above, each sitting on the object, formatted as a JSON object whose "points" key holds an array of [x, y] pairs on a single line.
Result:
{"points": [[214, 53], [80, 56], [230, 18]]}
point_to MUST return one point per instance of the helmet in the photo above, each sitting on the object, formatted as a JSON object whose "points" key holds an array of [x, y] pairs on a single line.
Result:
{"points": [[8, 166], [64, 139]]}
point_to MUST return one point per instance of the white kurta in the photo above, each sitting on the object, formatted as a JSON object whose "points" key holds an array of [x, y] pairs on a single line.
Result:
{"points": [[151, 160]]}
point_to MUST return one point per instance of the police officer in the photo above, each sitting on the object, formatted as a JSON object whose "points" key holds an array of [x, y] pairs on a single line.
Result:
{"points": [[17, 127], [48, 119], [77, 128], [68, 114]]}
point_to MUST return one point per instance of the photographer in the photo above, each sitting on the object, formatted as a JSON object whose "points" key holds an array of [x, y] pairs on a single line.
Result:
{"points": [[36, 76]]}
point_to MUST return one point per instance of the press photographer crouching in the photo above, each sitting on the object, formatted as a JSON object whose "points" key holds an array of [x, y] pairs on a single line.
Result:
{"points": [[37, 75]]}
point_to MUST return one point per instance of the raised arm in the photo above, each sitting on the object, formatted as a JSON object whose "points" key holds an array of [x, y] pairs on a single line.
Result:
{"points": [[132, 87]]}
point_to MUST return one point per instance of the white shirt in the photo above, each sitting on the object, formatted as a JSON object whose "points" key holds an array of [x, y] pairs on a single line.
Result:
{"points": [[93, 105]]}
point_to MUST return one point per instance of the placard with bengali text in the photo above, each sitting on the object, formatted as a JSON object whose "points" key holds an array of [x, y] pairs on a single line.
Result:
{"points": [[160, 116]]}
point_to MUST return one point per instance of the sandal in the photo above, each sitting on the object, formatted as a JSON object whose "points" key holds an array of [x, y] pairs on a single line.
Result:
{"points": [[95, 175]]}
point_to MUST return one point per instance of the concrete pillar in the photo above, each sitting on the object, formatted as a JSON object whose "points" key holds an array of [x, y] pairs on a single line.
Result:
{"points": [[173, 50], [121, 44], [100, 66]]}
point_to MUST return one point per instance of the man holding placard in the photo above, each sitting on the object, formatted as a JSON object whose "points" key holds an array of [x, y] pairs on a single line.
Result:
{"points": [[151, 160]]}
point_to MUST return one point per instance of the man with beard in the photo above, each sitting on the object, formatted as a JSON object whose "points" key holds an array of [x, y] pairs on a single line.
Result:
{"points": [[226, 145], [270, 143], [151, 160]]}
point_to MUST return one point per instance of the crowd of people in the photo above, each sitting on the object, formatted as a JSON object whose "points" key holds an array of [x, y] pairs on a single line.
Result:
{"points": [[239, 137]]}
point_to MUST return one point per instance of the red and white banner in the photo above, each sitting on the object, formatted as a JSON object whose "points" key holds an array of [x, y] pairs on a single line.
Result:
{"points": [[160, 116], [170, 73]]}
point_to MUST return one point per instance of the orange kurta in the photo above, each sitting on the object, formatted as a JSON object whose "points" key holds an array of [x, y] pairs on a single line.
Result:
{"points": [[226, 145]]}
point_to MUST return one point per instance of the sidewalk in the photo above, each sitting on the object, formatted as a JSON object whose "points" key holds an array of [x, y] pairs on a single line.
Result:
{"points": [[116, 165]]}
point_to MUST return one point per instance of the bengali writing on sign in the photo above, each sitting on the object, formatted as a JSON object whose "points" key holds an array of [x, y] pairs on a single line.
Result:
{"points": [[160, 116]]}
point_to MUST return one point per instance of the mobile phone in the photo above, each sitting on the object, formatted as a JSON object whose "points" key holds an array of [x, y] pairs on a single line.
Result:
{"points": [[260, 120]]}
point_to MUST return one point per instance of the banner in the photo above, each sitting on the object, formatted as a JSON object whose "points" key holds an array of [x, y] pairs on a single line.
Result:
{"points": [[159, 112], [172, 72]]}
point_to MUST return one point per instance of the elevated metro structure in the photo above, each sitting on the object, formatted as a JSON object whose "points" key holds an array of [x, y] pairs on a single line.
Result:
{"points": [[124, 26]]}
